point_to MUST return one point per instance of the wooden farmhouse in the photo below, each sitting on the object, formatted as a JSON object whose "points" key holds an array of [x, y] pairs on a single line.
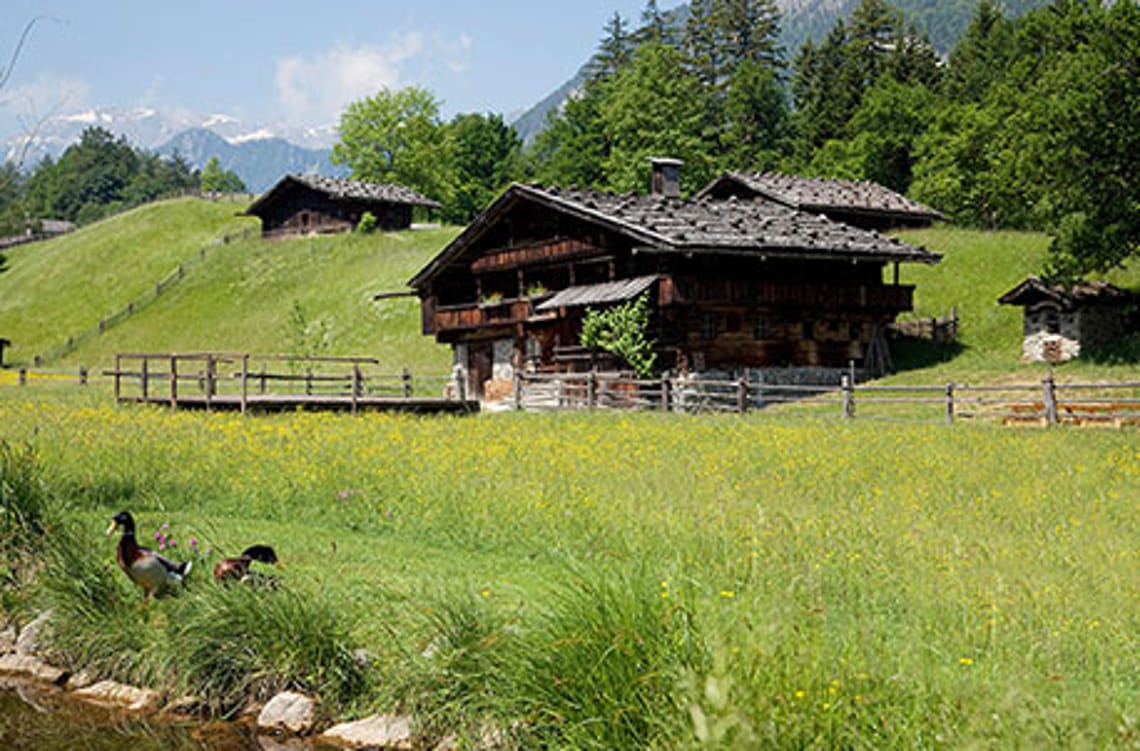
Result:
{"points": [[858, 203], [733, 285], [304, 204], [1061, 320]]}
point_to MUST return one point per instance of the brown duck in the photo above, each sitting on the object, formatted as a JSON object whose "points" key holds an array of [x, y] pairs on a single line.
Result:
{"points": [[153, 572], [237, 569]]}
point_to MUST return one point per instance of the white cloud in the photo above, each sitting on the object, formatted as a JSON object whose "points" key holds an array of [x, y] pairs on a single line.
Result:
{"points": [[316, 90], [44, 96], [457, 54]]}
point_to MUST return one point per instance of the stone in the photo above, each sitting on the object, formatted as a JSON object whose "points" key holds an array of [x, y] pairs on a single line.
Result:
{"points": [[289, 711], [269, 743], [183, 706], [7, 640], [31, 667], [378, 731], [111, 693], [28, 642], [79, 680]]}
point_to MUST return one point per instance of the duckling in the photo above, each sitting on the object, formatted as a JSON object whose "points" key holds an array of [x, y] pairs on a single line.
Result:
{"points": [[153, 572], [237, 569]]}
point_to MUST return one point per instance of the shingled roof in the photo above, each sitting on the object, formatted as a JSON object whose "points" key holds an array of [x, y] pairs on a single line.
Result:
{"points": [[822, 194], [671, 225], [339, 188], [1033, 290]]}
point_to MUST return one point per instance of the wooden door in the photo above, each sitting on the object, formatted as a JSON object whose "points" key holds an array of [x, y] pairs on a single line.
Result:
{"points": [[480, 368]]}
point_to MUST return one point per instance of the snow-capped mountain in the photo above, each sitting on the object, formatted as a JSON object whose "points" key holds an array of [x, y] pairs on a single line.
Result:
{"points": [[259, 154], [259, 158]]}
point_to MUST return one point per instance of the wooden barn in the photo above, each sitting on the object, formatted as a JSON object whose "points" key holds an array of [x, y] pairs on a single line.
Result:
{"points": [[1062, 319], [859, 203], [733, 284], [303, 204]]}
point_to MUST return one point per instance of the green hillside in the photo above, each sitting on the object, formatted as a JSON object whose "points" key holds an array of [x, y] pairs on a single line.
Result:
{"points": [[316, 294], [976, 269], [247, 295]]}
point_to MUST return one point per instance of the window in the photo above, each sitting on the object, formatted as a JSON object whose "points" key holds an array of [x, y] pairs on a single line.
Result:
{"points": [[1051, 318], [761, 328], [708, 326]]}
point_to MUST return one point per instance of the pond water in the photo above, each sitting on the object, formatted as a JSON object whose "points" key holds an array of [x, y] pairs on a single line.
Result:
{"points": [[36, 718]]}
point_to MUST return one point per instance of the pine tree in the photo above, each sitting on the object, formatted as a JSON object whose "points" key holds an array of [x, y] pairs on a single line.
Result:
{"points": [[614, 51]]}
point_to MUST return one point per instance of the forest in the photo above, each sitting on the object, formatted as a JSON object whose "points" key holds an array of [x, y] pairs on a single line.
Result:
{"points": [[1030, 122]]}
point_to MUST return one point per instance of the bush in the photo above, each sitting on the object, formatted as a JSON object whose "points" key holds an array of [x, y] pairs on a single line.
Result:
{"points": [[367, 224]]}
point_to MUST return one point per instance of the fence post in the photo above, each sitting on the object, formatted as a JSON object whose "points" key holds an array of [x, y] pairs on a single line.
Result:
{"points": [[516, 391], [144, 377], [742, 395], [665, 387], [355, 387], [209, 381], [174, 381], [950, 404], [262, 379], [118, 369], [1050, 398], [406, 383], [848, 396], [309, 381], [82, 375], [244, 382], [23, 379], [592, 389]]}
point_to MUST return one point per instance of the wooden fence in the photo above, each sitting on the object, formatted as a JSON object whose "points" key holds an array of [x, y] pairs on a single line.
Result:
{"points": [[152, 293], [936, 329], [1045, 403], [241, 381]]}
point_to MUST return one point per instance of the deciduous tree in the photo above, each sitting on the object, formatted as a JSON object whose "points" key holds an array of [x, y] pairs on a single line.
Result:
{"points": [[397, 136]]}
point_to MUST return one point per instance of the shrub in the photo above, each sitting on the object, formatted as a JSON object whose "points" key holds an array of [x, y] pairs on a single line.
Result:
{"points": [[232, 644], [367, 224]]}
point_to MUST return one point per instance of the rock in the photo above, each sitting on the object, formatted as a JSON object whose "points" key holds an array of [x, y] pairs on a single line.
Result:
{"points": [[110, 693], [269, 743], [289, 711], [7, 640], [31, 667], [79, 680], [183, 706], [28, 642], [378, 731]]}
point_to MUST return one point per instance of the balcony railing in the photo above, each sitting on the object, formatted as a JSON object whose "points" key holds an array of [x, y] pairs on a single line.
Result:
{"points": [[802, 295], [815, 297]]}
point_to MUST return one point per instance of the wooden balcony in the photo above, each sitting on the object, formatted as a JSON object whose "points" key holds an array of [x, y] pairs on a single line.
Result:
{"points": [[475, 316], [813, 296]]}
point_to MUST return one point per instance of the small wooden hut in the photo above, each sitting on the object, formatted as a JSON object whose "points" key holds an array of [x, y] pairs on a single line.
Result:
{"points": [[860, 203], [1061, 320], [304, 204]]}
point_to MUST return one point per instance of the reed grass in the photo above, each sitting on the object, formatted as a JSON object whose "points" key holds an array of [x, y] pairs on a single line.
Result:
{"points": [[644, 580]]}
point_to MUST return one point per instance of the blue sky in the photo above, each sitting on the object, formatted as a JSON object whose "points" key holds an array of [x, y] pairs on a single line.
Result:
{"points": [[291, 62]]}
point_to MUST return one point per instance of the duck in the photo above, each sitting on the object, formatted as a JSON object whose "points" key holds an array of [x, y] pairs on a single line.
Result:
{"points": [[153, 572], [237, 569]]}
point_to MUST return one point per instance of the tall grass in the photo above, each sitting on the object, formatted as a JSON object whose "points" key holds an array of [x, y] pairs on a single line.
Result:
{"points": [[637, 580]]}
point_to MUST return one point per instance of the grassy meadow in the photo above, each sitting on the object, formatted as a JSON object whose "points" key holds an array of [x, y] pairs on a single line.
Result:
{"points": [[311, 295], [601, 580], [618, 580]]}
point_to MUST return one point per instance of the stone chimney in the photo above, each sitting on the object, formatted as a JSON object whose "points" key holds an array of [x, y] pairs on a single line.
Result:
{"points": [[666, 179]]}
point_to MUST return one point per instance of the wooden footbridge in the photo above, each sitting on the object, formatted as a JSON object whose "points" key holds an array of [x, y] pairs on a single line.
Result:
{"points": [[275, 383]]}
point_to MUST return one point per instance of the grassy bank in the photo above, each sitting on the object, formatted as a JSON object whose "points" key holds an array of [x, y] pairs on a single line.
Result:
{"points": [[618, 581]]}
